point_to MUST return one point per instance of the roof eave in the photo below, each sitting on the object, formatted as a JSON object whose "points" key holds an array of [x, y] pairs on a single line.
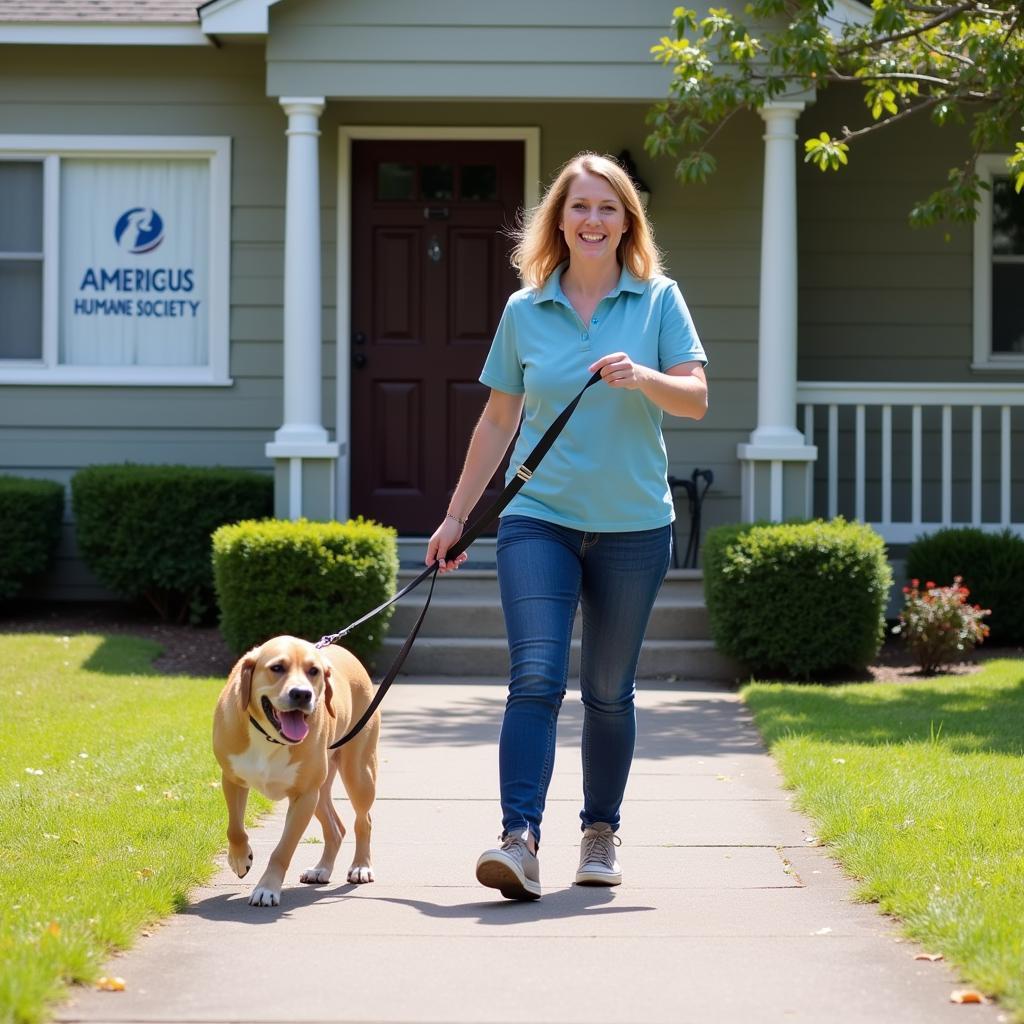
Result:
{"points": [[236, 17], [91, 33]]}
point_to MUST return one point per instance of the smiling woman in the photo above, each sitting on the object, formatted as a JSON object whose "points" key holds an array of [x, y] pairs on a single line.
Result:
{"points": [[595, 302]]}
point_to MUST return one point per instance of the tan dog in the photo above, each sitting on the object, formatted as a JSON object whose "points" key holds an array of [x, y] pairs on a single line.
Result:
{"points": [[302, 699]]}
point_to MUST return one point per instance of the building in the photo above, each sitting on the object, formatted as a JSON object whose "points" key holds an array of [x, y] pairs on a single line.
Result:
{"points": [[267, 234]]}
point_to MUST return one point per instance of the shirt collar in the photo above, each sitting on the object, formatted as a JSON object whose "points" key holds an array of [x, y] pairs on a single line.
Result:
{"points": [[551, 291]]}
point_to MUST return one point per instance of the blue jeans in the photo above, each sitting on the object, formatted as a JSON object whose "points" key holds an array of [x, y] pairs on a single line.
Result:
{"points": [[544, 572]]}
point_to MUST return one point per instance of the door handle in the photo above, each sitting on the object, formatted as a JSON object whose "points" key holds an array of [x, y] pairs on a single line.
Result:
{"points": [[359, 360]]}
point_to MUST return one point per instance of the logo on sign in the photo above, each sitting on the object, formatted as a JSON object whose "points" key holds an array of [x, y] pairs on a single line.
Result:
{"points": [[139, 230]]}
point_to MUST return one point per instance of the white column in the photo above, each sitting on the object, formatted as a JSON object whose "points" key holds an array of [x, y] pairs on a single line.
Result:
{"points": [[301, 438], [775, 484], [777, 325], [302, 303]]}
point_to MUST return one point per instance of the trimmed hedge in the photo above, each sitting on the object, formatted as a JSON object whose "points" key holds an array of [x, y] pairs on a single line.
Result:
{"points": [[305, 579], [992, 567], [796, 600], [144, 531], [31, 512]]}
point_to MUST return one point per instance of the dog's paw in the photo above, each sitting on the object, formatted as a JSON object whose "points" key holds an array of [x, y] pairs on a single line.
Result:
{"points": [[360, 874], [264, 897], [240, 861], [315, 876]]}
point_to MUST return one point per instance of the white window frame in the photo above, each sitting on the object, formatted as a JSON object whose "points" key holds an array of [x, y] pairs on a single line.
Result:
{"points": [[988, 166], [49, 149]]}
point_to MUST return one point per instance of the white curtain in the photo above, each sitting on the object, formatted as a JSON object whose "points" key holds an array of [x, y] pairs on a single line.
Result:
{"points": [[137, 296]]}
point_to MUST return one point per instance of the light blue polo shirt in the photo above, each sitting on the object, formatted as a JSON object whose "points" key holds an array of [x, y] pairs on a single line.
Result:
{"points": [[607, 472]]}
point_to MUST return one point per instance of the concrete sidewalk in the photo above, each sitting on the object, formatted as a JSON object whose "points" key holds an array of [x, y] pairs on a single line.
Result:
{"points": [[727, 913]]}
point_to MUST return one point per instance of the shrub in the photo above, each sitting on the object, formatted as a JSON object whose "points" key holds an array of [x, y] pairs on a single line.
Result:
{"points": [[991, 566], [30, 516], [145, 531], [305, 579], [797, 599], [938, 624]]}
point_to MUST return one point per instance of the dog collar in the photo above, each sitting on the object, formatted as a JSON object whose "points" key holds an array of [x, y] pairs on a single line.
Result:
{"points": [[265, 733]]}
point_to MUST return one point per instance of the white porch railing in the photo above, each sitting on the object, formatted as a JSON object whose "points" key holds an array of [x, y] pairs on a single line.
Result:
{"points": [[912, 458]]}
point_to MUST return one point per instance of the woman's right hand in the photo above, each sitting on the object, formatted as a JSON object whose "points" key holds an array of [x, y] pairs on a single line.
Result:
{"points": [[444, 537]]}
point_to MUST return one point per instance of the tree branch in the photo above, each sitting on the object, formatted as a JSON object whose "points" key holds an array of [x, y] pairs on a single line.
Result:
{"points": [[886, 76], [952, 56], [880, 41], [891, 120]]}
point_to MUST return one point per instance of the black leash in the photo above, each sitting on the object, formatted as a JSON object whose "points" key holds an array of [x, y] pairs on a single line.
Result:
{"points": [[523, 474]]}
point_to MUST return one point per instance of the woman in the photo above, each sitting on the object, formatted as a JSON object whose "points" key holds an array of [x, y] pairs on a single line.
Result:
{"points": [[593, 524]]}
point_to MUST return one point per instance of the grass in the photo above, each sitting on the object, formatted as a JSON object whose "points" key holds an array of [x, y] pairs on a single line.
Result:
{"points": [[110, 806], [918, 789]]}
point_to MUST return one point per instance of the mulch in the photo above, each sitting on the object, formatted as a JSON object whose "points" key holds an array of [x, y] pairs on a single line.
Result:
{"points": [[201, 651]]}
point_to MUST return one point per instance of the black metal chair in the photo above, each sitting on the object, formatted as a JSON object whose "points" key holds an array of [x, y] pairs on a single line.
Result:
{"points": [[695, 495]]}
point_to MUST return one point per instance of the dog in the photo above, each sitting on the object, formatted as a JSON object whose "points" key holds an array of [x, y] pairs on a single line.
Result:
{"points": [[284, 703]]}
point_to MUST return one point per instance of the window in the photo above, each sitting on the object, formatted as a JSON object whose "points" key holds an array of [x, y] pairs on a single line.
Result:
{"points": [[998, 270], [114, 260]]}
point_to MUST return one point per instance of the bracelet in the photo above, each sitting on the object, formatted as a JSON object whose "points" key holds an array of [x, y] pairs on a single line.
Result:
{"points": [[461, 522]]}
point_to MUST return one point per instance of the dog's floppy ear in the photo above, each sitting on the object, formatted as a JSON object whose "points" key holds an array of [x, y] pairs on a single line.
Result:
{"points": [[241, 676], [329, 691]]}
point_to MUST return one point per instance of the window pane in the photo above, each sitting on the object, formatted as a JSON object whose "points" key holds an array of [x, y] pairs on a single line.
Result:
{"points": [[1008, 307], [21, 206], [1007, 219], [437, 181], [396, 181], [21, 309], [480, 181]]}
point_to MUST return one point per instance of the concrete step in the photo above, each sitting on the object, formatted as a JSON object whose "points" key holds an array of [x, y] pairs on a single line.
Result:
{"points": [[673, 618], [488, 656], [464, 631], [679, 584]]}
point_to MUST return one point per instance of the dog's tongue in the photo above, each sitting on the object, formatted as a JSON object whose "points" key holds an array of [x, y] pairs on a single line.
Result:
{"points": [[293, 725]]}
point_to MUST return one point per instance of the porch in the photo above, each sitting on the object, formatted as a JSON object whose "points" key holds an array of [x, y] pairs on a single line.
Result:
{"points": [[912, 458]]}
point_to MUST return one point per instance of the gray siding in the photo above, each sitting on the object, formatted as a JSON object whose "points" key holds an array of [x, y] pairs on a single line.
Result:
{"points": [[880, 300], [445, 49], [53, 431], [710, 237]]}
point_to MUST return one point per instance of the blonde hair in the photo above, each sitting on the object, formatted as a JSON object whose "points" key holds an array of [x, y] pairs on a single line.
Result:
{"points": [[540, 244]]}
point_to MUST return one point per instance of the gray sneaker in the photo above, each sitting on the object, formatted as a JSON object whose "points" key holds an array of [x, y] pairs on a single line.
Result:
{"points": [[598, 865], [512, 869]]}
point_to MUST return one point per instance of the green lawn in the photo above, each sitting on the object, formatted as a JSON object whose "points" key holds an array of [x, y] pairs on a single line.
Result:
{"points": [[110, 806], [918, 790]]}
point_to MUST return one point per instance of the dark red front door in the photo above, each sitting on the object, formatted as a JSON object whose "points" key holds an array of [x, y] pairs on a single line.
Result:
{"points": [[430, 277]]}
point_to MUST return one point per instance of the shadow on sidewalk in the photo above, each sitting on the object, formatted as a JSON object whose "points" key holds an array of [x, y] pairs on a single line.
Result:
{"points": [[575, 901], [680, 726]]}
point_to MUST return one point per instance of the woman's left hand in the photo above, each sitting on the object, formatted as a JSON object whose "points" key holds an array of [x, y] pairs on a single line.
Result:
{"points": [[619, 371]]}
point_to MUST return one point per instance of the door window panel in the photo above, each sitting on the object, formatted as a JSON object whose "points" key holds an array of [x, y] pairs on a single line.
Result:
{"points": [[437, 181], [396, 181], [480, 182]]}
